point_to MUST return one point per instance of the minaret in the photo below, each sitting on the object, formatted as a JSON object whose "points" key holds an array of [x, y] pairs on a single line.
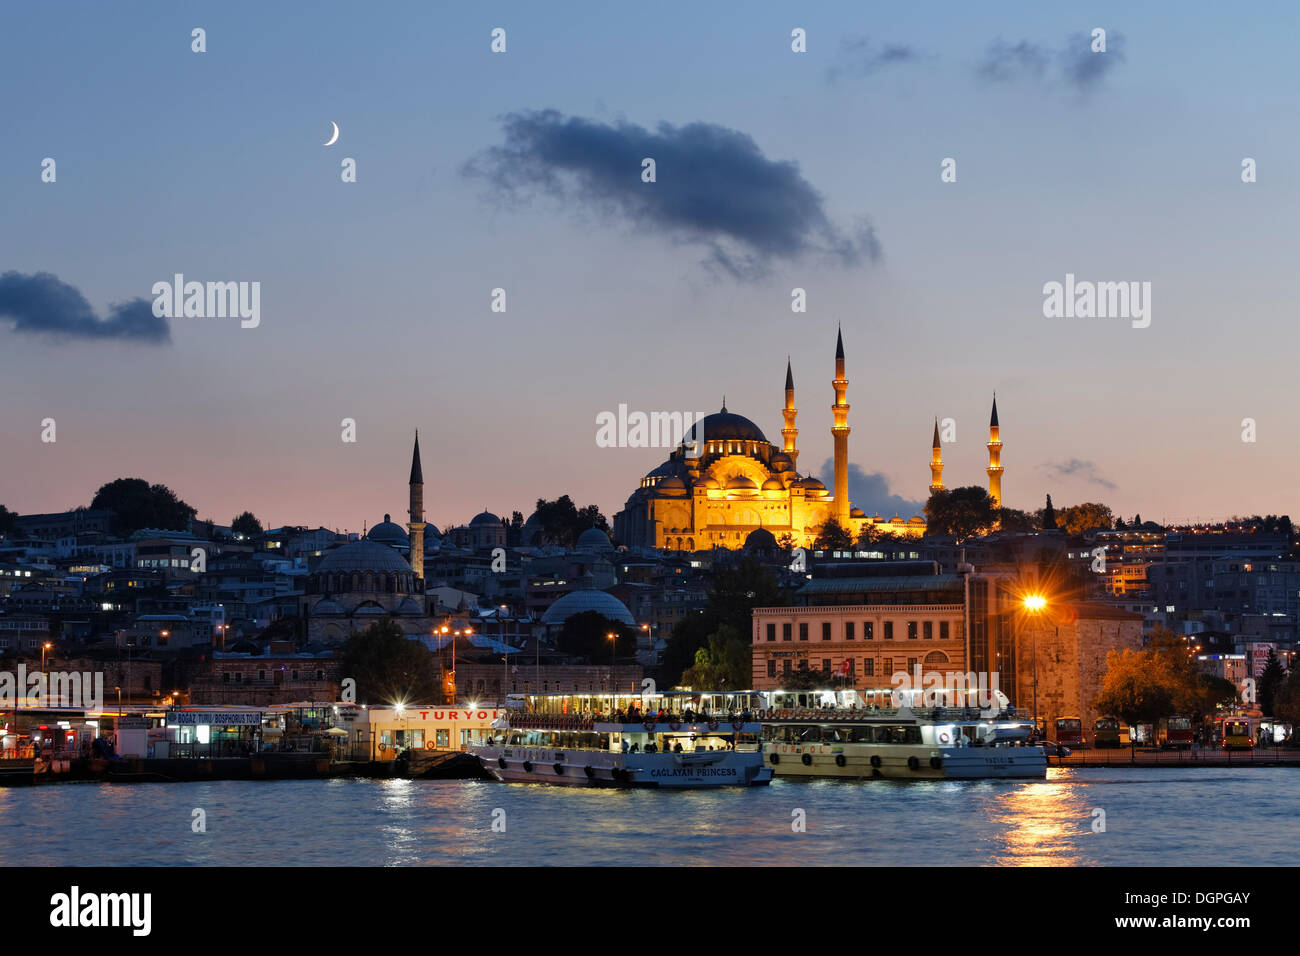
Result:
{"points": [[936, 462], [840, 433], [790, 433], [995, 457], [416, 527]]}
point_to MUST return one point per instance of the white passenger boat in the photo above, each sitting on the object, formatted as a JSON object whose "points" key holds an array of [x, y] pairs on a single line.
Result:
{"points": [[875, 734], [672, 740]]}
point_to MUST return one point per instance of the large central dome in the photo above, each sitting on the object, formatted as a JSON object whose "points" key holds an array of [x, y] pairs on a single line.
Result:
{"points": [[727, 426]]}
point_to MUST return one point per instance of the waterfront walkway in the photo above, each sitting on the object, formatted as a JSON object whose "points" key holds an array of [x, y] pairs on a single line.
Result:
{"points": [[1196, 757]]}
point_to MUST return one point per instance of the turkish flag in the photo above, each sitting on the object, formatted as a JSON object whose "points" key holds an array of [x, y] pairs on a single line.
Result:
{"points": [[844, 668]]}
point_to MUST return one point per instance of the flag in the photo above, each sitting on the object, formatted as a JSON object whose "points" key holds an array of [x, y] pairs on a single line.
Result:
{"points": [[844, 668]]}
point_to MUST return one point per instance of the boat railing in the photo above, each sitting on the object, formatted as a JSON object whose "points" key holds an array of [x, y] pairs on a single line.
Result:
{"points": [[850, 715], [663, 721]]}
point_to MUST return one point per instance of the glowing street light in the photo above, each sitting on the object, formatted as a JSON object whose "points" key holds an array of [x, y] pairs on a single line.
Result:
{"points": [[1034, 604]]}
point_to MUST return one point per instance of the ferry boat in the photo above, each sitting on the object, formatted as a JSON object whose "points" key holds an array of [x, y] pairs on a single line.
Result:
{"points": [[873, 734], [672, 740]]}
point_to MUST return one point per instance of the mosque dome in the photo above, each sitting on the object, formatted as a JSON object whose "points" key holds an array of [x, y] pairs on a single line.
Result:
{"points": [[812, 486], [741, 484], [363, 555], [781, 462], [671, 486], [760, 540], [727, 426], [484, 518], [857, 513], [389, 534], [773, 484], [588, 599], [327, 606], [593, 539], [709, 484]]}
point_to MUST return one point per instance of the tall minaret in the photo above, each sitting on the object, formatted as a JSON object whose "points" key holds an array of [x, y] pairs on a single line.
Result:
{"points": [[936, 462], [840, 433], [790, 433], [416, 527], [995, 457]]}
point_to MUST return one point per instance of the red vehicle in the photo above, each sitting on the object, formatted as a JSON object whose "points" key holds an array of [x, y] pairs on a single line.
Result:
{"points": [[1174, 733], [1069, 732]]}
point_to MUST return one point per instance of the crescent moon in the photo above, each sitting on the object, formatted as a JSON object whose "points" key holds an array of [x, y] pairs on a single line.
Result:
{"points": [[334, 138]]}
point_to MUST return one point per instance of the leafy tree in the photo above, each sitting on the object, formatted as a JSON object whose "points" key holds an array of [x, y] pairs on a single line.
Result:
{"points": [[1138, 687], [833, 536], [1048, 516], [247, 525], [726, 664], [1286, 702], [389, 667], [1085, 517], [8, 522], [1269, 683], [801, 678], [137, 504], [561, 521], [1016, 521], [960, 512], [586, 635]]}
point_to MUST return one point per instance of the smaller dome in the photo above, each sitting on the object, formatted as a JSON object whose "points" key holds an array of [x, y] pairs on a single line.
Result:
{"points": [[593, 539], [781, 462], [388, 533], [709, 484], [741, 483], [857, 513], [773, 484], [813, 487], [671, 486], [326, 607], [484, 518], [760, 540], [916, 519]]}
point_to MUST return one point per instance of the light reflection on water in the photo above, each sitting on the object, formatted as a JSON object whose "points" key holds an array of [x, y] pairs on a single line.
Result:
{"points": [[1153, 817]]}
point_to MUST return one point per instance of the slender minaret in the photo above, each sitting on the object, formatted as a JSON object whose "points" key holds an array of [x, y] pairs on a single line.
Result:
{"points": [[790, 433], [416, 526], [936, 461], [840, 433], [995, 457]]}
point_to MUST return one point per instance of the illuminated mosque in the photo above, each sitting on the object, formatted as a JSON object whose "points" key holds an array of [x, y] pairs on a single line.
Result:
{"points": [[742, 485]]}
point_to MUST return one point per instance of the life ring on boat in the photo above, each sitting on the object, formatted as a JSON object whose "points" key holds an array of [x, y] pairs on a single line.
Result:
{"points": [[775, 758], [945, 737], [737, 724], [429, 746], [875, 760], [559, 769], [913, 763], [713, 725], [528, 766], [501, 762], [936, 763], [807, 760], [649, 726], [839, 760], [675, 725], [589, 770]]}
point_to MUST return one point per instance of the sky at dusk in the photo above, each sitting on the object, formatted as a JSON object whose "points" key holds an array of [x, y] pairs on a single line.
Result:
{"points": [[521, 170]]}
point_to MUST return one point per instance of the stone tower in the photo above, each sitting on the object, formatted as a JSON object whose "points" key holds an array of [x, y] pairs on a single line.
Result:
{"points": [[936, 461], [995, 457], [840, 433], [416, 526], [789, 432]]}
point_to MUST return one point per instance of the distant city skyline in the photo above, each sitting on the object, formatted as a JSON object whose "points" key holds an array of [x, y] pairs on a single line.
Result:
{"points": [[522, 171]]}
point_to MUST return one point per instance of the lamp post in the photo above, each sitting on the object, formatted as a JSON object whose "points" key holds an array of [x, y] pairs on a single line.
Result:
{"points": [[45, 684], [1034, 604], [613, 672]]}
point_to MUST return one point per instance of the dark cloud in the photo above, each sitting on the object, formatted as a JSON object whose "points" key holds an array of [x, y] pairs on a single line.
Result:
{"points": [[1075, 468], [41, 304], [859, 57], [1079, 67], [870, 492], [1004, 62], [1083, 69], [714, 188]]}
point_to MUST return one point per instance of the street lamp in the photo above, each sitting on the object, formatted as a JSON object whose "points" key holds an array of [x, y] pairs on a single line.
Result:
{"points": [[613, 672], [1034, 604]]}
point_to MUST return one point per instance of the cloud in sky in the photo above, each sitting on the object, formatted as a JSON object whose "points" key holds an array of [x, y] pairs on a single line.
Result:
{"points": [[870, 492], [860, 57], [1079, 67], [42, 304], [1076, 468], [714, 188]]}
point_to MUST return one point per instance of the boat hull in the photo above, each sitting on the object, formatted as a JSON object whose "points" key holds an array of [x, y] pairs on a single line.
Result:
{"points": [[904, 762], [591, 768]]}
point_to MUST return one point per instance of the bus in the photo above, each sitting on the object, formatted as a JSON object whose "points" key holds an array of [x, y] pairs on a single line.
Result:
{"points": [[1105, 732], [1174, 733], [1069, 732], [1236, 734]]}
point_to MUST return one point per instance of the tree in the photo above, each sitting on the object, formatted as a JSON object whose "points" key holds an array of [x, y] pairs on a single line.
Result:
{"points": [[1286, 703], [8, 522], [586, 635], [727, 662], [1015, 521], [1138, 687], [960, 512], [1084, 517], [833, 536], [561, 521], [137, 504], [1269, 682], [247, 525], [1048, 517], [389, 667]]}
